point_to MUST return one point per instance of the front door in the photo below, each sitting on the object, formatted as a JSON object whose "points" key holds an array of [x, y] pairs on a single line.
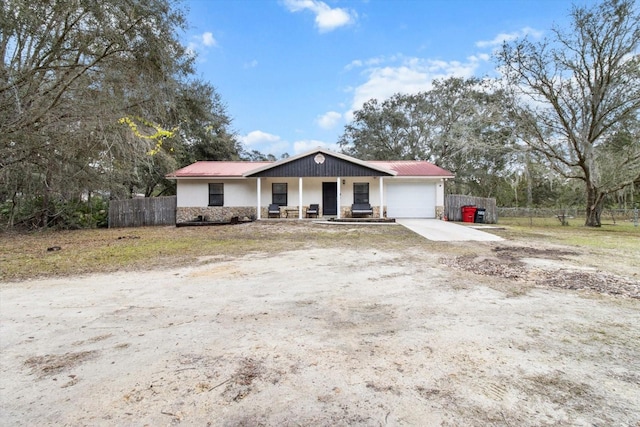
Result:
{"points": [[329, 198]]}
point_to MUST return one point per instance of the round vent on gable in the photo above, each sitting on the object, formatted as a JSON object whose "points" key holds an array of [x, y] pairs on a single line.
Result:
{"points": [[319, 159]]}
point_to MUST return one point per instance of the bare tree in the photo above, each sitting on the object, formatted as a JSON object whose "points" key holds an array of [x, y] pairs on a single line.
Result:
{"points": [[579, 92]]}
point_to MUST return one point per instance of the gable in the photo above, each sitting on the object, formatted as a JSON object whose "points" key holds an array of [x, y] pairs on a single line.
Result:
{"points": [[321, 164]]}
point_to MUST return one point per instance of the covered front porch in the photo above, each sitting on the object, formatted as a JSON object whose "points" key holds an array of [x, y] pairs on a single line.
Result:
{"points": [[334, 196]]}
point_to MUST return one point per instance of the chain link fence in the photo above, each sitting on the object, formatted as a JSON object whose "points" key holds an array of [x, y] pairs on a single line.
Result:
{"points": [[610, 216]]}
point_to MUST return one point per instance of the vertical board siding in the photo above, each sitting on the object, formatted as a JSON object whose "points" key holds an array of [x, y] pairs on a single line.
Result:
{"points": [[142, 212], [307, 167], [455, 202]]}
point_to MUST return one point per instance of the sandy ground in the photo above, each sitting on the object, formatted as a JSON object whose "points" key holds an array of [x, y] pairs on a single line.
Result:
{"points": [[316, 337]]}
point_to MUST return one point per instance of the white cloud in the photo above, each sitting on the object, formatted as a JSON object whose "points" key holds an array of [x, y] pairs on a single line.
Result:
{"points": [[480, 57], [208, 40], [258, 137], [199, 44], [266, 143], [277, 148], [309, 144], [327, 19], [328, 120], [411, 75], [357, 63], [508, 37]]}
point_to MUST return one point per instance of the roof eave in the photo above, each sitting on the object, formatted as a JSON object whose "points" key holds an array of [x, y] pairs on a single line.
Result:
{"points": [[425, 176], [206, 177]]}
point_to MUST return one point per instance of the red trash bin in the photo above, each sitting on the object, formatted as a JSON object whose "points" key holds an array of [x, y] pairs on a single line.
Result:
{"points": [[468, 213]]}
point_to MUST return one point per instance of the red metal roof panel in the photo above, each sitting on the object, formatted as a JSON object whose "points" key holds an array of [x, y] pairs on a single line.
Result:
{"points": [[216, 169], [412, 167]]}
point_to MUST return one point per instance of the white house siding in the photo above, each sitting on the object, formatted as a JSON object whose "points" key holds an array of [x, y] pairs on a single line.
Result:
{"points": [[411, 198], [239, 193], [312, 190], [346, 196], [266, 187], [195, 193], [403, 198]]}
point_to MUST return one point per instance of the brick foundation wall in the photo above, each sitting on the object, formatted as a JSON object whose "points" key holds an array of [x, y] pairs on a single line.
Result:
{"points": [[224, 213]]}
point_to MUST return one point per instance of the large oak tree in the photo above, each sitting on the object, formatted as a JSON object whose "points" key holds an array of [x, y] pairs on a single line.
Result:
{"points": [[71, 72], [579, 98]]}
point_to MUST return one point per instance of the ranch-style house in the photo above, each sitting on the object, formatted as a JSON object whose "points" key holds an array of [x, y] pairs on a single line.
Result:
{"points": [[318, 183]]}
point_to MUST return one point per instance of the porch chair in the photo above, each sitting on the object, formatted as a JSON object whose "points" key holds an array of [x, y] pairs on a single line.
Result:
{"points": [[314, 209], [274, 210], [358, 209]]}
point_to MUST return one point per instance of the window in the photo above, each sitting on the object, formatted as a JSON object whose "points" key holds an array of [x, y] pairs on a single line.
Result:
{"points": [[279, 194], [216, 194], [360, 192]]}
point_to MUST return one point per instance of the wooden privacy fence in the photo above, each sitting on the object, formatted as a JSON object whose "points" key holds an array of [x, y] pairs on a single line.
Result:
{"points": [[142, 211], [454, 203]]}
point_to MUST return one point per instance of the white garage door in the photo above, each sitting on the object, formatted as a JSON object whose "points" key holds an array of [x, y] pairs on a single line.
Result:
{"points": [[411, 200]]}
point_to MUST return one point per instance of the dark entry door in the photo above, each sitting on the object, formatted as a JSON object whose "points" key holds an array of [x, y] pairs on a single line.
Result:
{"points": [[329, 198]]}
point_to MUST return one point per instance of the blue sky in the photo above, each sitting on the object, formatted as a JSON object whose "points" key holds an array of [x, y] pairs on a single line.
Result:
{"points": [[293, 71]]}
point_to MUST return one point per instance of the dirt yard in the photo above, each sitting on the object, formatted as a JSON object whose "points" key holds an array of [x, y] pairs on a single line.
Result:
{"points": [[505, 334]]}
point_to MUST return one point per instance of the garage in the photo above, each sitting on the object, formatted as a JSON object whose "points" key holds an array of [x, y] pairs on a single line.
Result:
{"points": [[411, 200]]}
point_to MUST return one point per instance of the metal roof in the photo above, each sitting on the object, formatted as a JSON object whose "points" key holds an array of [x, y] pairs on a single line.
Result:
{"points": [[204, 169], [239, 169], [413, 168]]}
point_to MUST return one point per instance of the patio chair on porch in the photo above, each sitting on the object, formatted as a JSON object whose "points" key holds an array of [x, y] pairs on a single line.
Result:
{"points": [[314, 209], [274, 211]]}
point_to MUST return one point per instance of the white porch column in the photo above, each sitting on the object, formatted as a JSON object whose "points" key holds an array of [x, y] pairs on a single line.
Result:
{"points": [[300, 198], [381, 198], [440, 193], [338, 201], [258, 189]]}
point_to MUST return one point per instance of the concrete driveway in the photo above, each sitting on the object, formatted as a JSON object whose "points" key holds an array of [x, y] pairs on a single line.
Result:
{"points": [[444, 231]]}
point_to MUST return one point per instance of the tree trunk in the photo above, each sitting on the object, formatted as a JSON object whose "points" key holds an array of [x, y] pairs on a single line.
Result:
{"points": [[595, 202], [12, 213], [45, 212], [527, 174]]}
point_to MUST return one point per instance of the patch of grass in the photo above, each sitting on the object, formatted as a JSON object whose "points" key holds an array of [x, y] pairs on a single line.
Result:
{"points": [[623, 235], [25, 256], [87, 251], [613, 248]]}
